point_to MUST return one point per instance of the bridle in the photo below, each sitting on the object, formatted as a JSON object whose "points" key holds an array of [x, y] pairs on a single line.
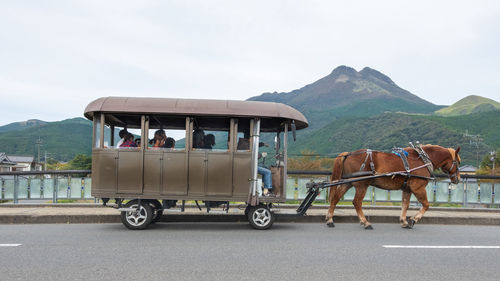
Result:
{"points": [[454, 164]]}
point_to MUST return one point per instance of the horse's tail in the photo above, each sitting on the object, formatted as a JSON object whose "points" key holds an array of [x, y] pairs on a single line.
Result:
{"points": [[338, 166]]}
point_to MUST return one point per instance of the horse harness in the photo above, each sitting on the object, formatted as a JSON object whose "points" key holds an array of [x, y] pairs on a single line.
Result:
{"points": [[403, 155]]}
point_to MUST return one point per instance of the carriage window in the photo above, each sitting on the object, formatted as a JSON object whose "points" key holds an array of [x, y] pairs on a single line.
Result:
{"points": [[243, 138], [272, 144], [167, 133], [211, 134], [122, 128]]}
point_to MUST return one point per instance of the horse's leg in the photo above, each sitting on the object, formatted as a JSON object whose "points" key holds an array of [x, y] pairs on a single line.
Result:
{"points": [[358, 203], [334, 198], [404, 208], [421, 195], [329, 215]]}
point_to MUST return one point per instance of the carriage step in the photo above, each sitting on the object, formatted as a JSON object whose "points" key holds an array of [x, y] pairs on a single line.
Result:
{"points": [[127, 209], [172, 211]]}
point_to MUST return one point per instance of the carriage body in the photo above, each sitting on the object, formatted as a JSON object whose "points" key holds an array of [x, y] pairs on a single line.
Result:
{"points": [[225, 172]]}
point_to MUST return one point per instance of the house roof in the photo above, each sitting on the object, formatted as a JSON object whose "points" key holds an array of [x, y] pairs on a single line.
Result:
{"points": [[5, 160], [21, 158], [467, 169]]}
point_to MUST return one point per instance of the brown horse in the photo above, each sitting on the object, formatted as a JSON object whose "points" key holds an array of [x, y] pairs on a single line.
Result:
{"points": [[378, 163]]}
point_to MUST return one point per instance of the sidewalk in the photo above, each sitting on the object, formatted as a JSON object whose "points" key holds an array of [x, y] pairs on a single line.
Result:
{"points": [[94, 213]]}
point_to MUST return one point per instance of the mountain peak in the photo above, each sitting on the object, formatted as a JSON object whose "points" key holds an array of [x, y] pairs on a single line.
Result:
{"points": [[469, 104], [344, 70], [370, 72]]}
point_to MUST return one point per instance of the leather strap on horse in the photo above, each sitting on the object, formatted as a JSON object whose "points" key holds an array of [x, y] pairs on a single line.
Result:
{"points": [[372, 165], [423, 155], [402, 154]]}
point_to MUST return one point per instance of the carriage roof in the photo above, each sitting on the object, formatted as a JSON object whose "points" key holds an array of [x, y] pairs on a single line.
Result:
{"points": [[195, 107]]}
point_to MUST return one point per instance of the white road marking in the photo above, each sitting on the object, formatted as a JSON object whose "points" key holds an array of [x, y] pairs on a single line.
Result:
{"points": [[10, 245], [440, 247]]}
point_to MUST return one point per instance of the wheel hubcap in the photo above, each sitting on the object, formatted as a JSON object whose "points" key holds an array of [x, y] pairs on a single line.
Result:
{"points": [[136, 218], [261, 217]]}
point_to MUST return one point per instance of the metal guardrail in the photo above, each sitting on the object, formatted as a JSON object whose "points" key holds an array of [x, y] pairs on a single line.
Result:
{"points": [[75, 185], [45, 185]]}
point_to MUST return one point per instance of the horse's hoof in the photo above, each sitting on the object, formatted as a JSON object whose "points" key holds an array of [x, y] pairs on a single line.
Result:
{"points": [[411, 223], [330, 224], [369, 227]]}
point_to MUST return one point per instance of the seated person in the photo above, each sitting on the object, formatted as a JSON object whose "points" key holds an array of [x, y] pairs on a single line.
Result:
{"points": [[169, 143], [244, 144], [121, 134], [198, 138], [266, 178], [128, 140], [208, 141], [159, 139], [138, 142]]}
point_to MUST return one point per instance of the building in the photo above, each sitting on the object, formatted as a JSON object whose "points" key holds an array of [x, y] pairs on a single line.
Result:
{"points": [[467, 170], [12, 163], [5, 163]]}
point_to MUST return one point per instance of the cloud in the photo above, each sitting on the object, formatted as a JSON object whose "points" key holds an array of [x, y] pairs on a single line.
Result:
{"points": [[68, 53]]}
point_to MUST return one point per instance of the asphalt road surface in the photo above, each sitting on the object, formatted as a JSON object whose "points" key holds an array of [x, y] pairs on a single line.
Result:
{"points": [[234, 251]]}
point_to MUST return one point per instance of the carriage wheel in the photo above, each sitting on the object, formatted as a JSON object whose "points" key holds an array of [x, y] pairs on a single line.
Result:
{"points": [[260, 217], [137, 219], [157, 210]]}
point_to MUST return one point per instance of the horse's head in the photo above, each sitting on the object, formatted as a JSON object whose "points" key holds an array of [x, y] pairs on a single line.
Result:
{"points": [[451, 164]]}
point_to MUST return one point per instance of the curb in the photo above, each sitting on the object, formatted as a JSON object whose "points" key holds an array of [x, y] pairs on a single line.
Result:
{"points": [[234, 206], [282, 218]]}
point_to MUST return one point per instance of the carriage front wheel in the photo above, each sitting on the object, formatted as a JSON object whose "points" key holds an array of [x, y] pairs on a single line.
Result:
{"points": [[260, 217], [140, 218]]}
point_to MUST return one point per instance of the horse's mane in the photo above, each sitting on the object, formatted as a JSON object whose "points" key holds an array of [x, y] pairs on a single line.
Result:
{"points": [[451, 150]]}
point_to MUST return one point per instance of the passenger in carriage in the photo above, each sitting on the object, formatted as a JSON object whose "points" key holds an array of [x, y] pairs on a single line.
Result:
{"points": [[244, 144], [128, 140], [121, 134], [159, 138], [169, 143], [198, 138], [209, 141]]}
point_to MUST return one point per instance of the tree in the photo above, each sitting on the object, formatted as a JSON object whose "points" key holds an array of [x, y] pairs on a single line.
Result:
{"points": [[80, 162], [485, 166]]}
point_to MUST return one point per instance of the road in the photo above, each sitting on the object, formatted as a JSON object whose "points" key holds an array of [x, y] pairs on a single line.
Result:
{"points": [[234, 251]]}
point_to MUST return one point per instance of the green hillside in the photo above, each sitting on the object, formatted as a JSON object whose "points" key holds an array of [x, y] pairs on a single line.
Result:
{"points": [[468, 105], [389, 130], [63, 139], [19, 126]]}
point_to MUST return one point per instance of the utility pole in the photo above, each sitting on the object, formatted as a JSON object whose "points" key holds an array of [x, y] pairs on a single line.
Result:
{"points": [[38, 142], [493, 155], [476, 141]]}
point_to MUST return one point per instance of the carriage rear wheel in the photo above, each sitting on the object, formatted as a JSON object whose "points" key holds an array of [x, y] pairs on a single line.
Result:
{"points": [[260, 217], [137, 219]]}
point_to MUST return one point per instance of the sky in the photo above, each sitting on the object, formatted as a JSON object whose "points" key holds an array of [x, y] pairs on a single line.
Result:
{"points": [[58, 56]]}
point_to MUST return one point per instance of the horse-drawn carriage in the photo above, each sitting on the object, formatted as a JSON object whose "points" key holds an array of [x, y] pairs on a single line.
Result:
{"points": [[152, 177], [148, 178]]}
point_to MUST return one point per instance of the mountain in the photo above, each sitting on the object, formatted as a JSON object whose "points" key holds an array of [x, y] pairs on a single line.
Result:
{"points": [[468, 105], [63, 139], [388, 130], [18, 126], [347, 92]]}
